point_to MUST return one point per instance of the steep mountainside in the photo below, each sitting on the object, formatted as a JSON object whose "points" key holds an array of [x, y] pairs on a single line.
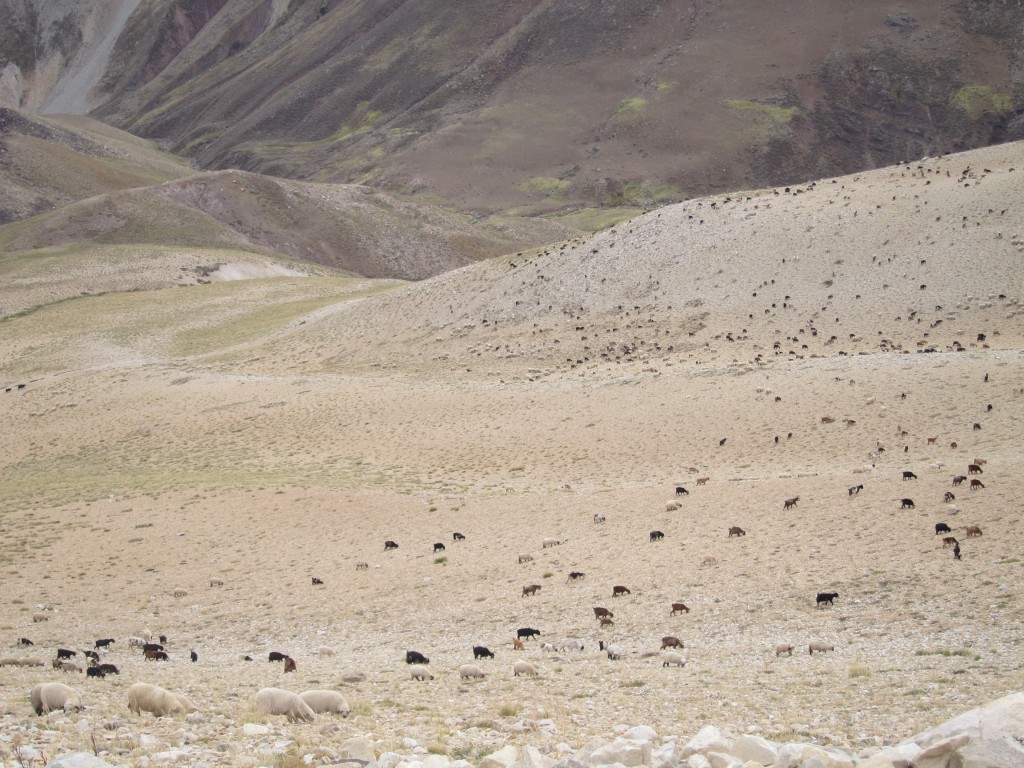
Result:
{"points": [[534, 105]]}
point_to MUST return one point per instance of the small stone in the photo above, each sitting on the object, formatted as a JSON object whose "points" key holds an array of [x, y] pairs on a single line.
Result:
{"points": [[255, 729]]}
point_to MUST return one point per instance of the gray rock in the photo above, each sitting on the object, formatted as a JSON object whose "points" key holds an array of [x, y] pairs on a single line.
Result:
{"points": [[697, 761], [666, 756], [810, 756], [707, 739], [626, 752], [723, 760], [938, 754], [992, 753], [1002, 717], [359, 748], [756, 749], [898, 756], [503, 758], [78, 760], [531, 757], [641, 733]]}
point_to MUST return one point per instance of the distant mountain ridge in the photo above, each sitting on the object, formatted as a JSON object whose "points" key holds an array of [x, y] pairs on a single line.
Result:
{"points": [[532, 106]]}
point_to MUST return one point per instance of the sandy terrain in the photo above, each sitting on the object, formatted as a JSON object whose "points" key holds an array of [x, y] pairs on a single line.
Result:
{"points": [[261, 433]]}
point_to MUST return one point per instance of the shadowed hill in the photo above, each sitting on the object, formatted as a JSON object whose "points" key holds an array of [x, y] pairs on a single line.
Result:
{"points": [[539, 106]]}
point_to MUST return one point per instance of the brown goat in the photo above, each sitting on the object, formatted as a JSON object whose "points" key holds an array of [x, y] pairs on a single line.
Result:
{"points": [[531, 589], [671, 642], [790, 503], [603, 613], [976, 484], [736, 531], [973, 469], [949, 541], [679, 608], [972, 531], [618, 590]]}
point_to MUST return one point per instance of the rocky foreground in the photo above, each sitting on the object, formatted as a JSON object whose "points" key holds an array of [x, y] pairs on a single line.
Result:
{"points": [[986, 737]]}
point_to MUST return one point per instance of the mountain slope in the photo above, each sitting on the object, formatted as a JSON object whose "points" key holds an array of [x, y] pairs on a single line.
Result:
{"points": [[538, 106]]}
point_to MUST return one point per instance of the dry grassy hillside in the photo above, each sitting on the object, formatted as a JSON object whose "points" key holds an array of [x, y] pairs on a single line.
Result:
{"points": [[265, 431]]}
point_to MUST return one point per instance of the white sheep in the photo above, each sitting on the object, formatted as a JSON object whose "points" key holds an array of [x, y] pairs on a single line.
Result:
{"points": [[613, 651], [67, 666], [524, 668], [9, 661], [782, 648], [325, 650], [48, 697], [468, 671], [819, 645], [37, 617], [572, 644], [672, 506], [353, 677], [326, 701], [419, 672], [671, 658], [135, 642], [147, 635], [548, 647], [276, 701], [146, 697], [550, 542], [30, 661], [179, 592], [525, 558]]}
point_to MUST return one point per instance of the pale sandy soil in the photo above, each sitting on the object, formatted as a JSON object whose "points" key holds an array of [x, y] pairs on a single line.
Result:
{"points": [[131, 468]]}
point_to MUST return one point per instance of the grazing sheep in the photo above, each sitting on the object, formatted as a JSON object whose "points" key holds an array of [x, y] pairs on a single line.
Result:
{"points": [[599, 518], [420, 673], [782, 648], [825, 597], [657, 535], [95, 672], [974, 469], [942, 528], [527, 632], [525, 558], [156, 656], [31, 661], [146, 635], [531, 589], [680, 491], [92, 655], [708, 560], [576, 575], [482, 652], [549, 542], [65, 653], [470, 671], [48, 697], [179, 592], [571, 644], [66, 666], [362, 565], [958, 479], [932, 440], [908, 475], [353, 677], [906, 504], [606, 621], [216, 582], [317, 582], [672, 506], [972, 531], [276, 656], [276, 701], [702, 480], [679, 608], [415, 657], [950, 541], [38, 617], [736, 531], [524, 668], [613, 651], [145, 697], [976, 484], [390, 545], [618, 590], [948, 497], [819, 645], [458, 537], [790, 503], [673, 658], [670, 642], [136, 642], [326, 701], [8, 661], [325, 651]]}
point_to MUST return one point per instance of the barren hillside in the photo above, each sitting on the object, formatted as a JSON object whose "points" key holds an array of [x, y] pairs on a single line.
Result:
{"points": [[261, 432]]}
